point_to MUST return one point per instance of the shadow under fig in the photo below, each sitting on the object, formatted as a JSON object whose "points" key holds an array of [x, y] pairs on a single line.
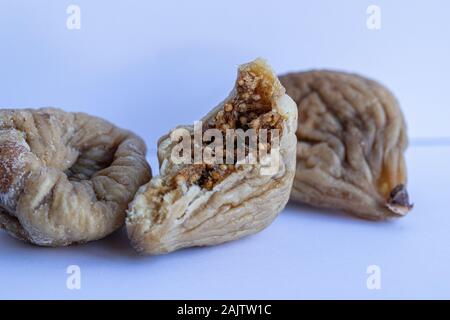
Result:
{"points": [[305, 210]]}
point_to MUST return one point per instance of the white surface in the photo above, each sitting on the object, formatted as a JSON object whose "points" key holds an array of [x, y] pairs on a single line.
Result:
{"points": [[305, 253]]}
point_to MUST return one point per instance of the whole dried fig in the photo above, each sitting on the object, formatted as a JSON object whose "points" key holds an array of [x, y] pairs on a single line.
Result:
{"points": [[200, 204], [351, 140], [66, 177]]}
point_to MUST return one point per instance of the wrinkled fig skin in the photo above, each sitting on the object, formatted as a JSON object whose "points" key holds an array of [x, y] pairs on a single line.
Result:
{"points": [[351, 141], [162, 219], [66, 177]]}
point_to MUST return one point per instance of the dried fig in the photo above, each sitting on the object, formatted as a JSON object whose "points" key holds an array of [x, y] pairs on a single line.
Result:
{"points": [[200, 204], [351, 140], [66, 177]]}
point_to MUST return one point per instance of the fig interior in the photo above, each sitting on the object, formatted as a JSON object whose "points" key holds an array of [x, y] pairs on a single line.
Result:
{"points": [[251, 106]]}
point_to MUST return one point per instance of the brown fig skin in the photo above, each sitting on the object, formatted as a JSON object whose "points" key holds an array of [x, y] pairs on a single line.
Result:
{"points": [[351, 143]]}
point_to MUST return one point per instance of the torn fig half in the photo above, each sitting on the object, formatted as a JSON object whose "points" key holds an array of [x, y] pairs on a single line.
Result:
{"points": [[202, 201], [66, 177], [351, 143]]}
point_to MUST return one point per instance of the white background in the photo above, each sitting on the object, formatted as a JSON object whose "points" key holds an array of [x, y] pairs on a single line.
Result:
{"points": [[151, 65]]}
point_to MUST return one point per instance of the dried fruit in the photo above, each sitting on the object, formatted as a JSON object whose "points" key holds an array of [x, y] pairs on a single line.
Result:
{"points": [[66, 177], [201, 204], [351, 140]]}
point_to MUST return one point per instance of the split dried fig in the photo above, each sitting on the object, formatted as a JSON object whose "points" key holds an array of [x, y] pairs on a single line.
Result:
{"points": [[200, 204], [351, 141], [66, 177]]}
